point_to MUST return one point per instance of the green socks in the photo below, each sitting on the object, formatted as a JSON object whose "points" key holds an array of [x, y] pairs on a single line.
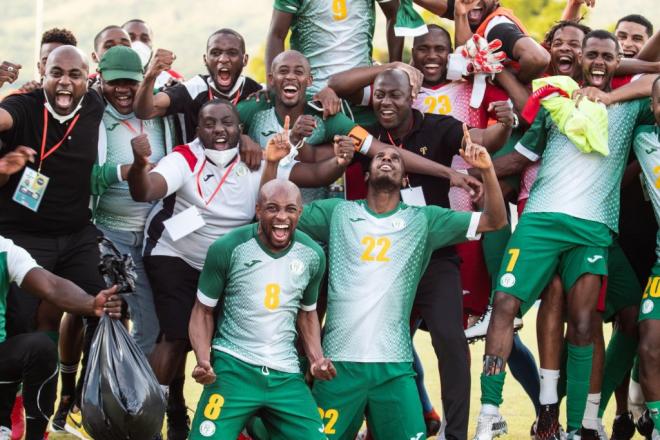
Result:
{"points": [[578, 372], [491, 388], [618, 361], [654, 413]]}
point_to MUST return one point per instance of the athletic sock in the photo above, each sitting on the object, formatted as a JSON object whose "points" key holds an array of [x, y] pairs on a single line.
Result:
{"points": [[489, 410], [549, 380], [619, 359], [578, 371], [590, 419], [175, 399], [491, 389], [654, 413], [68, 373]]}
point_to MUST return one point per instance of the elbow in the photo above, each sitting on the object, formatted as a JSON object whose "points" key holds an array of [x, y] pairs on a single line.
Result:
{"points": [[537, 61]]}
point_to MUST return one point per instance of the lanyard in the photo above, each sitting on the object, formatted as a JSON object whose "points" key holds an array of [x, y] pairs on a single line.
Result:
{"points": [[234, 101], [130, 127], [389, 137], [222, 181], [44, 153]]}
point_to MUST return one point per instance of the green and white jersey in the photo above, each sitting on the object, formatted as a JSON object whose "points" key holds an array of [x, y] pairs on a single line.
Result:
{"points": [[582, 185], [260, 293], [375, 264], [15, 263], [647, 150], [334, 35]]}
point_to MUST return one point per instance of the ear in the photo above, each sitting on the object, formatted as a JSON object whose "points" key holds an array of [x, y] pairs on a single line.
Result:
{"points": [[309, 81], [270, 80], [204, 59], [366, 176], [95, 57], [246, 57]]}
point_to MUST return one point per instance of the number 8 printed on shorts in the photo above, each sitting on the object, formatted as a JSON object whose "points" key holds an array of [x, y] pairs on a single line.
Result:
{"points": [[213, 409]]}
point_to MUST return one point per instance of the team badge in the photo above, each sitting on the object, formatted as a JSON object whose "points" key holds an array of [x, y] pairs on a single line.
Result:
{"points": [[296, 267], [398, 224], [508, 280], [647, 306], [207, 428], [241, 170]]}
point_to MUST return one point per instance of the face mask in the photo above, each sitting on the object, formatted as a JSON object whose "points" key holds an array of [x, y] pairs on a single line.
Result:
{"points": [[221, 158], [143, 51], [61, 118]]}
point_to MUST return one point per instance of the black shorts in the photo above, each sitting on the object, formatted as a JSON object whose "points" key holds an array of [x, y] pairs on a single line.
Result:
{"points": [[174, 285]]}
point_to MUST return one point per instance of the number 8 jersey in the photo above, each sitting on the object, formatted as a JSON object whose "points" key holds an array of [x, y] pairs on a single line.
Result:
{"points": [[375, 263]]}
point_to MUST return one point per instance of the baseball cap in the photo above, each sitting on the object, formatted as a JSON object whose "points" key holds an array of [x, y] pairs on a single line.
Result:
{"points": [[121, 62]]}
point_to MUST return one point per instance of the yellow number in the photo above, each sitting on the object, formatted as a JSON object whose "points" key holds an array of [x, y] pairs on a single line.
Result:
{"points": [[514, 252], [445, 105], [371, 243], [272, 299], [339, 11], [332, 415], [214, 407], [430, 103], [652, 288], [656, 170]]}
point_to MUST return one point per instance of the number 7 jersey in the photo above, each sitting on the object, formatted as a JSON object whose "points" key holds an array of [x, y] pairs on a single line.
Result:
{"points": [[375, 264]]}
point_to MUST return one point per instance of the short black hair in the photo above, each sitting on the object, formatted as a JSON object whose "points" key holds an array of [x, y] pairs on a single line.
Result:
{"points": [[439, 28], [639, 19], [219, 101], [550, 35], [97, 38], [56, 35], [133, 20], [601, 34], [227, 31]]}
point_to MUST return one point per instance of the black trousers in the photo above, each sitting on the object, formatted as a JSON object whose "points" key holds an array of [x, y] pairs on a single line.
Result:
{"points": [[30, 359], [439, 301]]}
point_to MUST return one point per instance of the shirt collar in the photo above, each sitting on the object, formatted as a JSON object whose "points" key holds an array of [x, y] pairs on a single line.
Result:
{"points": [[62, 118], [237, 86]]}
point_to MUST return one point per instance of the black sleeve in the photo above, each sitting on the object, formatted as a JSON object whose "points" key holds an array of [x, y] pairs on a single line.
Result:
{"points": [[450, 134], [250, 87], [449, 13], [508, 34], [180, 99]]}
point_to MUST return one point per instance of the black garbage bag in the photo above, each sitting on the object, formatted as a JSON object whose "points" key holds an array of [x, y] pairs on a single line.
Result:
{"points": [[116, 268], [121, 399]]}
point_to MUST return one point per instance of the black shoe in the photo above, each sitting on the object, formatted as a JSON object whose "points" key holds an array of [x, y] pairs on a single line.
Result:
{"points": [[645, 425], [623, 427], [588, 434], [59, 419], [547, 424], [178, 423]]}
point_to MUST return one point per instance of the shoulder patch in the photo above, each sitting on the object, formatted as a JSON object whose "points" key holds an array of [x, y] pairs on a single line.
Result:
{"points": [[188, 155], [195, 86]]}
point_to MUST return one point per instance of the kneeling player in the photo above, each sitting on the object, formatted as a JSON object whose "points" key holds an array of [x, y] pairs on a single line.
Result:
{"points": [[265, 276]]}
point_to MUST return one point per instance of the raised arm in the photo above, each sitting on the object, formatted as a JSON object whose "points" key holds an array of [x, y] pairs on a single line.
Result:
{"points": [[495, 136], [394, 43], [143, 185], [651, 50], [518, 93], [327, 171], [350, 83], [147, 105], [532, 57], [634, 66], [200, 331], [438, 7], [572, 9], [641, 88], [510, 164], [280, 23]]}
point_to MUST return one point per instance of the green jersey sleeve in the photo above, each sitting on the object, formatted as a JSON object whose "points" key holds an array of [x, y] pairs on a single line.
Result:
{"points": [[214, 275], [644, 113], [311, 293], [290, 6], [102, 177], [447, 227], [248, 109], [533, 142], [338, 124], [315, 219]]}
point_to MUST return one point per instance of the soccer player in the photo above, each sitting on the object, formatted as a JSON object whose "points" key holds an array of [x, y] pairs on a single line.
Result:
{"points": [[647, 148], [538, 249], [264, 279], [633, 31], [225, 59], [379, 248]]}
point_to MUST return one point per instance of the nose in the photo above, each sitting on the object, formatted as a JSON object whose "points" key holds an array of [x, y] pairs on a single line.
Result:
{"points": [[65, 80], [223, 58]]}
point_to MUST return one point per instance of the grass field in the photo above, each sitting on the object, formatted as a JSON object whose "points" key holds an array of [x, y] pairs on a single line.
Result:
{"points": [[517, 409]]}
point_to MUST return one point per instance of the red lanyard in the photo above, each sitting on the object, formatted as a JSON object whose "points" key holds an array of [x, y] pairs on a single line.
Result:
{"points": [[130, 127], [389, 136], [222, 181], [233, 101], [44, 153]]}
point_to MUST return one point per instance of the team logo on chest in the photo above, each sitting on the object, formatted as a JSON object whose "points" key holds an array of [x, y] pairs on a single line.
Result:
{"points": [[398, 223], [296, 267], [241, 170]]}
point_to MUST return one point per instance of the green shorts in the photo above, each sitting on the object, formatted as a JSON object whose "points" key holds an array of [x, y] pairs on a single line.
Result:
{"points": [[650, 306], [241, 390], [623, 288], [385, 392], [547, 243]]}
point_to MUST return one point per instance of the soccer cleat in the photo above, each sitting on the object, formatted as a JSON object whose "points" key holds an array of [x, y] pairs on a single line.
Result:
{"points": [[17, 419], [433, 422], [178, 423], [74, 425], [477, 331], [490, 426], [591, 434], [59, 419], [623, 427], [547, 424], [645, 425]]}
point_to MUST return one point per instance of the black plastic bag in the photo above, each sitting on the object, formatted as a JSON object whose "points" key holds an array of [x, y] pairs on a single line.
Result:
{"points": [[116, 268], [121, 399]]}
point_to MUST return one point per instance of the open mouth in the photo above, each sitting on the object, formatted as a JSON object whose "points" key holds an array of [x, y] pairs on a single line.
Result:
{"points": [[280, 232], [290, 91], [597, 77], [629, 53], [63, 99], [125, 101], [224, 77], [387, 115], [474, 16], [385, 167], [220, 142], [432, 68], [565, 64]]}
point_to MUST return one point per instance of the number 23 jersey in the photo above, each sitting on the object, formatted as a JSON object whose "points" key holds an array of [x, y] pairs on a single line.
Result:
{"points": [[375, 263]]}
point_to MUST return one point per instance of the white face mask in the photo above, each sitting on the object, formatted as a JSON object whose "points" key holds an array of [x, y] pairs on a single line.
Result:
{"points": [[143, 51], [62, 118], [221, 158]]}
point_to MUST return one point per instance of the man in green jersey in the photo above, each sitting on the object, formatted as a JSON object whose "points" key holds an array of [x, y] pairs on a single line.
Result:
{"points": [[569, 220], [647, 150], [266, 278], [379, 249]]}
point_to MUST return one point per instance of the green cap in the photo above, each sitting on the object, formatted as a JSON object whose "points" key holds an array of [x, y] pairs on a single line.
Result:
{"points": [[121, 62]]}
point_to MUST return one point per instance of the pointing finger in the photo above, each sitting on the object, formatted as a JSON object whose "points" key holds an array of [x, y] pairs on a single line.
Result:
{"points": [[287, 121]]}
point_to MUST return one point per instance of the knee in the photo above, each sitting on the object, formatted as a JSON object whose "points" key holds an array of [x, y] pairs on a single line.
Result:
{"points": [[582, 327], [505, 306], [649, 352], [42, 350]]}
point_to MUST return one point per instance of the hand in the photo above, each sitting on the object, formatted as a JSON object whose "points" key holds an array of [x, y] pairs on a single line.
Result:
{"points": [[108, 302], [160, 62], [593, 94], [344, 149], [259, 95], [141, 150], [15, 160], [302, 128], [8, 72], [322, 369], [251, 152], [415, 76], [474, 154], [278, 146], [329, 101], [203, 373], [590, 3], [462, 7], [30, 86], [503, 112]]}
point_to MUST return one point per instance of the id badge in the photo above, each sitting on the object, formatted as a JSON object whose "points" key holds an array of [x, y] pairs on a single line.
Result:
{"points": [[31, 189], [184, 223], [413, 196]]}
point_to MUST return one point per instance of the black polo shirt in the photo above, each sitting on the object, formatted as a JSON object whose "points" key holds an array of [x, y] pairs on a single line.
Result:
{"points": [[187, 98], [437, 138], [65, 206]]}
